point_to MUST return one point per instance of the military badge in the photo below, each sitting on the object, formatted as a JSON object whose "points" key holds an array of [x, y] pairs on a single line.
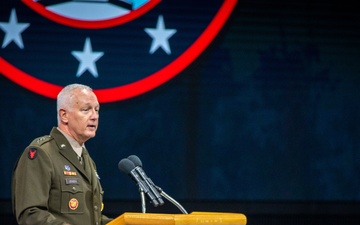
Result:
{"points": [[73, 204], [67, 167], [69, 173]]}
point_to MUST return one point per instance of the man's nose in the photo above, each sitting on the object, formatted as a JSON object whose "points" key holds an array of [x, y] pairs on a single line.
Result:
{"points": [[94, 114]]}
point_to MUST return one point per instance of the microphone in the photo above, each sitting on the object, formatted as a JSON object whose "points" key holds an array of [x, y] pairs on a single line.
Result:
{"points": [[133, 166], [129, 168], [153, 188]]}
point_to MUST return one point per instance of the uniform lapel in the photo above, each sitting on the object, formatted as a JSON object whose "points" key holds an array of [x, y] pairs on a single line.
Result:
{"points": [[66, 150], [87, 162]]}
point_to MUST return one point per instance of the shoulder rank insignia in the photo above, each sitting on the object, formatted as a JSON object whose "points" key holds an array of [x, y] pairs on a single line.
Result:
{"points": [[40, 141]]}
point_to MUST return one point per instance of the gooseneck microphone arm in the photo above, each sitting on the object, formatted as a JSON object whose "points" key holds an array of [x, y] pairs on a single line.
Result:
{"points": [[170, 199]]}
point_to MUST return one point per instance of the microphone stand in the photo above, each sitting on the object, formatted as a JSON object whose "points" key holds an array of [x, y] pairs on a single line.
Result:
{"points": [[143, 202]]}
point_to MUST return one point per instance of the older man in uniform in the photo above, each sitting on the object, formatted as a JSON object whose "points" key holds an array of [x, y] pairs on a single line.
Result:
{"points": [[55, 180]]}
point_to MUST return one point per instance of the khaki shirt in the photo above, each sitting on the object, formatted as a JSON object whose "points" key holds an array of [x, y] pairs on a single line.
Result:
{"points": [[50, 186]]}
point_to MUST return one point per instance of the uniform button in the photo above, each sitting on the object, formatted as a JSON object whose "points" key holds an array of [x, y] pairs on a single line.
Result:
{"points": [[95, 208], [97, 223], [74, 188]]}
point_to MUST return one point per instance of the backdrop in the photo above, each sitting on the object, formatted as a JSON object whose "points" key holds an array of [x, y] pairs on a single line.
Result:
{"points": [[265, 108]]}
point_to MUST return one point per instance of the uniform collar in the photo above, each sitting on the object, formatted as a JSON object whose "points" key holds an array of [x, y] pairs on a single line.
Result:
{"points": [[74, 144]]}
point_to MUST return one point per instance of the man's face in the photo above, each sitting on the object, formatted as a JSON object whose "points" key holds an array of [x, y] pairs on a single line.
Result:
{"points": [[83, 116]]}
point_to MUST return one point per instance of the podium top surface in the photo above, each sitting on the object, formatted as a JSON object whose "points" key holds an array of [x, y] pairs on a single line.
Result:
{"points": [[194, 218]]}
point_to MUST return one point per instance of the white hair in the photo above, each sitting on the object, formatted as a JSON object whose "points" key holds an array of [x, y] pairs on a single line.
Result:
{"points": [[65, 96]]}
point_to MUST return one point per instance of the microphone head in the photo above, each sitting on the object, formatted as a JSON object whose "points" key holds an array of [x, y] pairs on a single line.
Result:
{"points": [[136, 160], [125, 165]]}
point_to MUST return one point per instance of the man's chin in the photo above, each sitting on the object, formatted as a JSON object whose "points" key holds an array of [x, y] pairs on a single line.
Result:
{"points": [[90, 134]]}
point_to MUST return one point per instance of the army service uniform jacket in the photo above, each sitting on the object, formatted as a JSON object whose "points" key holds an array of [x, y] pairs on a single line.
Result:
{"points": [[50, 186]]}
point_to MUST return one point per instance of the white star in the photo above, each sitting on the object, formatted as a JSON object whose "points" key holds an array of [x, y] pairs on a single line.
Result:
{"points": [[160, 36], [13, 30], [87, 59]]}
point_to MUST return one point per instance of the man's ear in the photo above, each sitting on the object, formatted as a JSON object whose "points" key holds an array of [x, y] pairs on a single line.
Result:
{"points": [[63, 116]]}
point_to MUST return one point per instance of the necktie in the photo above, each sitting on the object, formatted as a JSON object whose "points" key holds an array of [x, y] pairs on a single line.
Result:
{"points": [[81, 160]]}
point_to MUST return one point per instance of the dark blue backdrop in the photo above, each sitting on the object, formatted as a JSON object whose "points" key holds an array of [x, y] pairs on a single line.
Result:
{"points": [[270, 111]]}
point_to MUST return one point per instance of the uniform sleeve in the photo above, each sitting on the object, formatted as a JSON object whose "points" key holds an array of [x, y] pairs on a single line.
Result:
{"points": [[31, 186], [105, 219]]}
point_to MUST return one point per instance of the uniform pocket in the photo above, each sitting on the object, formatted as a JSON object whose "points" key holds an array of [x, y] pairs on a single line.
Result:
{"points": [[72, 197]]}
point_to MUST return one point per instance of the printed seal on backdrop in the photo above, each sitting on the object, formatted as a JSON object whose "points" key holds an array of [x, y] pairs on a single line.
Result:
{"points": [[148, 25]]}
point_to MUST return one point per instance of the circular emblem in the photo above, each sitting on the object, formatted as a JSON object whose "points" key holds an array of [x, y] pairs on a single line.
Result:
{"points": [[121, 48], [73, 204]]}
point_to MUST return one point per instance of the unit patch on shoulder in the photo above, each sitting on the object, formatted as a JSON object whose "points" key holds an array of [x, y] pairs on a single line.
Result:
{"points": [[32, 154]]}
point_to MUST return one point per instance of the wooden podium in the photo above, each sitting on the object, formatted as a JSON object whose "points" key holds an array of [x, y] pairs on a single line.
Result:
{"points": [[194, 218]]}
